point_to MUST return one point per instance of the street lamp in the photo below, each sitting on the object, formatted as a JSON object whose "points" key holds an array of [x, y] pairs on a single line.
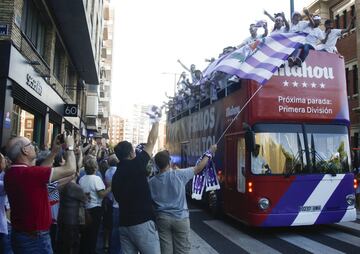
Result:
{"points": [[175, 78]]}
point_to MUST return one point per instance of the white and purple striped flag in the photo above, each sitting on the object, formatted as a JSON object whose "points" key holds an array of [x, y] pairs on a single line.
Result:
{"points": [[258, 61]]}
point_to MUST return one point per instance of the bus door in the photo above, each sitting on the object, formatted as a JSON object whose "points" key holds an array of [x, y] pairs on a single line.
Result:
{"points": [[234, 191], [184, 154]]}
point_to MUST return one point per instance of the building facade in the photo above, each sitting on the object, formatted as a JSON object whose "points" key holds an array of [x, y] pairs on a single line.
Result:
{"points": [[341, 11], [49, 53], [136, 128], [116, 129], [106, 69]]}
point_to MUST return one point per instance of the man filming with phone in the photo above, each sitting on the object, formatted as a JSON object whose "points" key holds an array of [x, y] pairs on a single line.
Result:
{"points": [[26, 186]]}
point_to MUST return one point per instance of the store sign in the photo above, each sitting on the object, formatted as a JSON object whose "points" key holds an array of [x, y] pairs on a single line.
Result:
{"points": [[71, 110], [34, 84], [4, 29]]}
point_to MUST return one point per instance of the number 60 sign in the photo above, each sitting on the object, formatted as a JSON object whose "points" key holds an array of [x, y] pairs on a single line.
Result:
{"points": [[71, 110]]}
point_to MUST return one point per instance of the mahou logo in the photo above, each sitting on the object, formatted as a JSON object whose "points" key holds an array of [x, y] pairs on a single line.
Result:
{"points": [[306, 72]]}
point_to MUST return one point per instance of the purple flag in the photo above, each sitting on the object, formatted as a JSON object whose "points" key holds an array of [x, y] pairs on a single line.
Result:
{"points": [[258, 61]]}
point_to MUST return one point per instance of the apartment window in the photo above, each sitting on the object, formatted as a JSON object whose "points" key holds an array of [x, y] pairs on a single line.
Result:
{"points": [[344, 18], [347, 80], [355, 80], [352, 15], [71, 84], [59, 54], [337, 21], [33, 26]]}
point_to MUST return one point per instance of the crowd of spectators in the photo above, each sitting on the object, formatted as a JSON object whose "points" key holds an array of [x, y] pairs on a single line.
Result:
{"points": [[86, 198], [57, 200]]}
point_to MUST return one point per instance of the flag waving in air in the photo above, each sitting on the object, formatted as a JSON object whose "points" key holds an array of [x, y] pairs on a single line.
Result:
{"points": [[259, 60]]}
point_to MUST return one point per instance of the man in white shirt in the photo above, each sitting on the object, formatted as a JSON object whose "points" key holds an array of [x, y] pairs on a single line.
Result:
{"points": [[332, 35], [258, 163], [253, 34]]}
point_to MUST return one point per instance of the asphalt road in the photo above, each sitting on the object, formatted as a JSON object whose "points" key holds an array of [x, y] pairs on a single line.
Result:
{"points": [[225, 235]]}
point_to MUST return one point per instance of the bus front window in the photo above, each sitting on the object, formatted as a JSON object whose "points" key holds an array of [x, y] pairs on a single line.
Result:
{"points": [[329, 149], [283, 149]]}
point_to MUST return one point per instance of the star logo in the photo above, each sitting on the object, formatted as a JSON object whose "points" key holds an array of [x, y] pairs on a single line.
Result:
{"points": [[285, 83], [295, 84], [304, 84], [313, 85], [322, 85]]}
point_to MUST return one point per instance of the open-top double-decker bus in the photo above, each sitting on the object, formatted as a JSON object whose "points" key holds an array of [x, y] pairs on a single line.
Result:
{"points": [[299, 122]]}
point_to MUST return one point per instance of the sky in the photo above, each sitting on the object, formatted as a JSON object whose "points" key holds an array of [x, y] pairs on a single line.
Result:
{"points": [[151, 35]]}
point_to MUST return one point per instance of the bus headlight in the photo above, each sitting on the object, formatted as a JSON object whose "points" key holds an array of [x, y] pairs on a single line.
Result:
{"points": [[264, 203], [350, 199]]}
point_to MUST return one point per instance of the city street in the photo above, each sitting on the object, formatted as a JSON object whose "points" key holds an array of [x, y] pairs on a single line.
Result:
{"points": [[210, 236]]}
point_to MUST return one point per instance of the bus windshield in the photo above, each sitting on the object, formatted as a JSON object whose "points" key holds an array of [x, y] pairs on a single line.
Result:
{"points": [[301, 149]]}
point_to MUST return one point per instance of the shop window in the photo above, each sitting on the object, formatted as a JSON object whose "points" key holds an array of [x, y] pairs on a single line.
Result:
{"points": [[26, 124], [15, 120], [50, 132], [23, 123], [33, 26]]}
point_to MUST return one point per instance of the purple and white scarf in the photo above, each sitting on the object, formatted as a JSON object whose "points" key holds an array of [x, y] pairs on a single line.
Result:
{"points": [[206, 179]]}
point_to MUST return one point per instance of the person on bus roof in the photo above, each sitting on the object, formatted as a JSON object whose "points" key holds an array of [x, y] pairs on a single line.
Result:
{"points": [[192, 70], [332, 35], [297, 25], [258, 163], [253, 34], [281, 25], [314, 36]]}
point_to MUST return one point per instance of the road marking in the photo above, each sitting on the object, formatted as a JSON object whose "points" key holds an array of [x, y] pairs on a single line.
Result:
{"points": [[199, 246], [353, 240], [307, 244], [350, 224], [244, 241]]}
